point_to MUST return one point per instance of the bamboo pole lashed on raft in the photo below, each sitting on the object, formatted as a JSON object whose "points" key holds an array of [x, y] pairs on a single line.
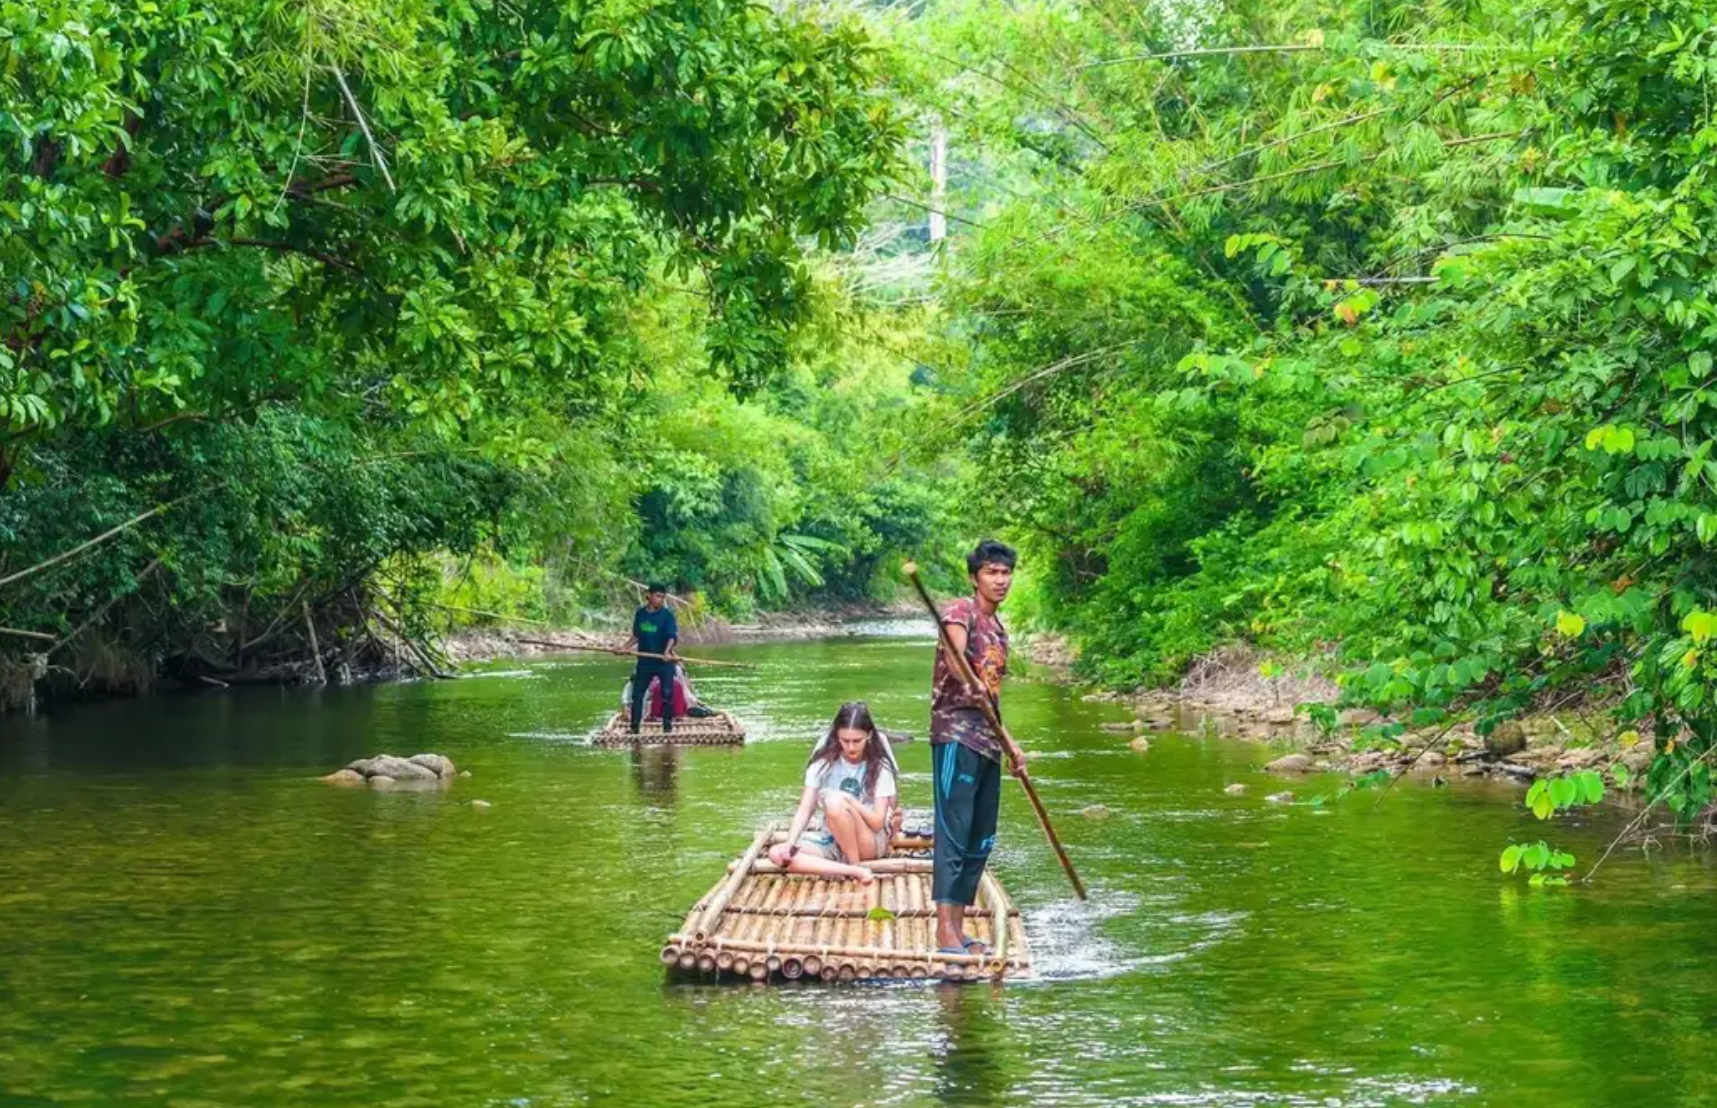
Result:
{"points": [[838, 952], [875, 865], [706, 924], [999, 927]]}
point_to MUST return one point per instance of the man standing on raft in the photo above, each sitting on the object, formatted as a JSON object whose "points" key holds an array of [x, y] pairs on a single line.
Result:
{"points": [[965, 752], [654, 631]]}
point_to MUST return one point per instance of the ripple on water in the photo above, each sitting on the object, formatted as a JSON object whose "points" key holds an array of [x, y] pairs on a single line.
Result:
{"points": [[582, 738]]}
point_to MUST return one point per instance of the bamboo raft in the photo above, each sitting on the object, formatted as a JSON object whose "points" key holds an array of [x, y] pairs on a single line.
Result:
{"points": [[721, 729], [761, 923]]}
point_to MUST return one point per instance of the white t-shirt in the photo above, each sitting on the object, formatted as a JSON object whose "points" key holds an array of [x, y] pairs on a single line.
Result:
{"points": [[841, 775]]}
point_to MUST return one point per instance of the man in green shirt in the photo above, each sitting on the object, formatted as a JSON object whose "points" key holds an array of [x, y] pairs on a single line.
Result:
{"points": [[654, 631]]}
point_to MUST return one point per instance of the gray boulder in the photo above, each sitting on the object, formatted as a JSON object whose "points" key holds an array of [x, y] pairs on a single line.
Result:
{"points": [[400, 769], [437, 764], [419, 769], [1290, 763]]}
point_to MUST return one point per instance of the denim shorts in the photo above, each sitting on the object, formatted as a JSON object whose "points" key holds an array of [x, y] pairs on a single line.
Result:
{"points": [[823, 842]]}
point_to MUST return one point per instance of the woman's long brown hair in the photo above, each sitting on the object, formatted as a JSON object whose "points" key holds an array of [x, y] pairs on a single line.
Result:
{"points": [[855, 716]]}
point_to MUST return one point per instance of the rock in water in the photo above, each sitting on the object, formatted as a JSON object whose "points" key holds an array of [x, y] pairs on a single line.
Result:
{"points": [[480, 805], [1280, 798], [1116, 727], [1140, 744], [1290, 763], [386, 771], [1094, 811], [1236, 789], [400, 769], [437, 764]]}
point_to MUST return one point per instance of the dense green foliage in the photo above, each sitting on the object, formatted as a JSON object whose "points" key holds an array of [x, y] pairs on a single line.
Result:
{"points": [[1393, 330], [378, 283]]}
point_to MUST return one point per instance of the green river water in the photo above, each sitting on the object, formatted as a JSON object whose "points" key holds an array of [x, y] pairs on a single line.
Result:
{"points": [[188, 918]]}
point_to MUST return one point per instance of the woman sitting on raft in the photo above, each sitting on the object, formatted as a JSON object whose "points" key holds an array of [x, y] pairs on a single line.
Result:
{"points": [[851, 776]]}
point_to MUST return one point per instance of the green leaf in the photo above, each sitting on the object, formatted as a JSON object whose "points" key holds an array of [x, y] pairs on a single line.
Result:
{"points": [[1570, 625], [1510, 860], [880, 914], [1547, 201]]}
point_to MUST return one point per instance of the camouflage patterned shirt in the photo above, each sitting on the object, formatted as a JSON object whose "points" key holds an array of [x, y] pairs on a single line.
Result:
{"points": [[954, 713]]}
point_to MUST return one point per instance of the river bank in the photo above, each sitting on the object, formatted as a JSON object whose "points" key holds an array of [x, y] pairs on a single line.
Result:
{"points": [[359, 652], [1237, 692], [484, 644]]}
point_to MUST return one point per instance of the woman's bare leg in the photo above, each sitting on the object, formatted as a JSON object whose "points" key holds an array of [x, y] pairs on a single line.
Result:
{"points": [[807, 860], [841, 818]]}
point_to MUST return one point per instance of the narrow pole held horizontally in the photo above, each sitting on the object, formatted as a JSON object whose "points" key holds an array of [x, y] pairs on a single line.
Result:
{"points": [[632, 653], [987, 706]]}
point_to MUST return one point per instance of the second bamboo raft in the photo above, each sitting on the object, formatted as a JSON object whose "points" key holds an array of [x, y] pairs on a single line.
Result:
{"points": [[721, 729], [760, 923]]}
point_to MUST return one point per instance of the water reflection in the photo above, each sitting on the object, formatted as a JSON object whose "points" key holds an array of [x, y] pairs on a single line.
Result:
{"points": [[965, 1056], [656, 773]]}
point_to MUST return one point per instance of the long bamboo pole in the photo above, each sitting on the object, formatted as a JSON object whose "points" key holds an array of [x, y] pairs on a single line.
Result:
{"points": [[972, 911], [849, 953], [875, 865], [632, 653], [999, 928], [987, 706], [712, 912]]}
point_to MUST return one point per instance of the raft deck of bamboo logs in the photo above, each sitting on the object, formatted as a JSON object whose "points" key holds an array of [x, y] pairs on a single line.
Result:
{"points": [[721, 729], [761, 923]]}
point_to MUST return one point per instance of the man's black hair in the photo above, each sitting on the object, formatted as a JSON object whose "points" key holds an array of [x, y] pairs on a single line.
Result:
{"points": [[990, 553], [656, 586]]}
